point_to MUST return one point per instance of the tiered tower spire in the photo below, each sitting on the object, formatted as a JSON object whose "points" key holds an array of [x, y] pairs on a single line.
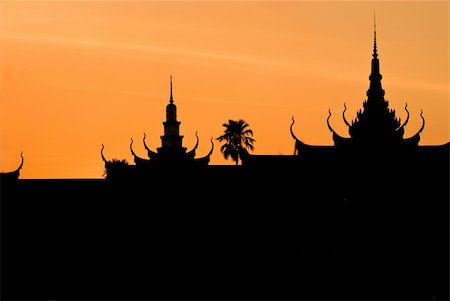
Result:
{"points": [[171, 140], [375, 89], [376, 124]]}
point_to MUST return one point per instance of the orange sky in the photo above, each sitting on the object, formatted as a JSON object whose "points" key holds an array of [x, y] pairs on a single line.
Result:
{"points": [[76, 74]]}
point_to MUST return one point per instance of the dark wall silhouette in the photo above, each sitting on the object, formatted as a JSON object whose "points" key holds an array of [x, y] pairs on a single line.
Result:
{"points": [[306, 231]]}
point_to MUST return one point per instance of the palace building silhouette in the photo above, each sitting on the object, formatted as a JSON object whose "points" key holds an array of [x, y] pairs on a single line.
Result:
{"points": [[363, 219], [376, 134], [170, 154]]}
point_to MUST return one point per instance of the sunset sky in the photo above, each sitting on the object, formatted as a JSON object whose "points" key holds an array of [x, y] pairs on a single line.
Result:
{"points": [[76, 74]]}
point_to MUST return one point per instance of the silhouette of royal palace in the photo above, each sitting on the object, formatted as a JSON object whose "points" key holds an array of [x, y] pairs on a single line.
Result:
{"points": [[363, 219], [170, 154], [376, 133]]}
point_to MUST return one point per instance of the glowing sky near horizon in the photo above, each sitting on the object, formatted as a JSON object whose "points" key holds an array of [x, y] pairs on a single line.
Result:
{"points": [[76, 74]]}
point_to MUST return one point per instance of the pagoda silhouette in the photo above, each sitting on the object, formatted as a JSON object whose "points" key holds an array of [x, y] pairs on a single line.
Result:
{"points": [[171, 154], [376, 134]]}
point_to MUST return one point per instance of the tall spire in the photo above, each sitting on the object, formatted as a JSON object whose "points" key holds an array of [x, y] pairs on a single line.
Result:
{"points": [[375, 76], [374, 37], [171, 140], [171, 94]]}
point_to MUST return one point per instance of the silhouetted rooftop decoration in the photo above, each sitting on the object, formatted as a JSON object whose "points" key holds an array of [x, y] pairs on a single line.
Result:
{"points": [[376, 125], [12, 175], [171, 153], [375, 130]]}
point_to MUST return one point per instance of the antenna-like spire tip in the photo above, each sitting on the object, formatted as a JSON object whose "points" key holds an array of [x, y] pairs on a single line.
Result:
{"points": [[171, 93], [374, 36], [374, 22]]}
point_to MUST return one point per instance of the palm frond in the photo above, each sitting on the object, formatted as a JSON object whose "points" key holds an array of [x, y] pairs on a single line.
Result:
{"points": [[237, 138]]}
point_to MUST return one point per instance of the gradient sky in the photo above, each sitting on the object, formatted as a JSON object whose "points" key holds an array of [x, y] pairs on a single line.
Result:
{"points": [[76, 74]]}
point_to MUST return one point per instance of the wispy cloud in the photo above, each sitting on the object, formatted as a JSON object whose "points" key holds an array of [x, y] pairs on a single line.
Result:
{"points": [[304, 68], [141, 47]]}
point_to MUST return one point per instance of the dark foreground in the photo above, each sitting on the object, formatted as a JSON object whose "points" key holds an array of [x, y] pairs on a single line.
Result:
{"points": [[227, 233]]}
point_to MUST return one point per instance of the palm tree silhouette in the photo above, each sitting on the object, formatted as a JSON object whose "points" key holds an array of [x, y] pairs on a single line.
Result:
{"points": [[237, 137]]}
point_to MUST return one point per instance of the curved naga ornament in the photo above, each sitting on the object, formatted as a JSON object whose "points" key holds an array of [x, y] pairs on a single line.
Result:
{"points": [[205, 159], [151, 153], [103, 157], [212, 147], [12, 175], [328, 121], [292, 132], [416, 137], [300, 147], [423, 122], [137, 159], [191, 153], [298, 143], [336, 137], [343, 116], [21, 163], [401, 129]]}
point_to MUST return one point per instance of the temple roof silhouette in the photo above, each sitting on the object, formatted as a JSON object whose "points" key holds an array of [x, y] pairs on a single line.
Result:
{"points": [[376, 124], [376, 134], [171, 153], [376, 131]]}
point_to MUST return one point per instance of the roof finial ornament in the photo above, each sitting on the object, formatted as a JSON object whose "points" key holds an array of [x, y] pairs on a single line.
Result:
{"points": [[171, 94], [374, 36]]}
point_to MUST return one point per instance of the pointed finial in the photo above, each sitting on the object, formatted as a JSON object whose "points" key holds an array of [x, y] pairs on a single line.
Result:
{"points": [[374, 22], [374, 37], [171, 94]]}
